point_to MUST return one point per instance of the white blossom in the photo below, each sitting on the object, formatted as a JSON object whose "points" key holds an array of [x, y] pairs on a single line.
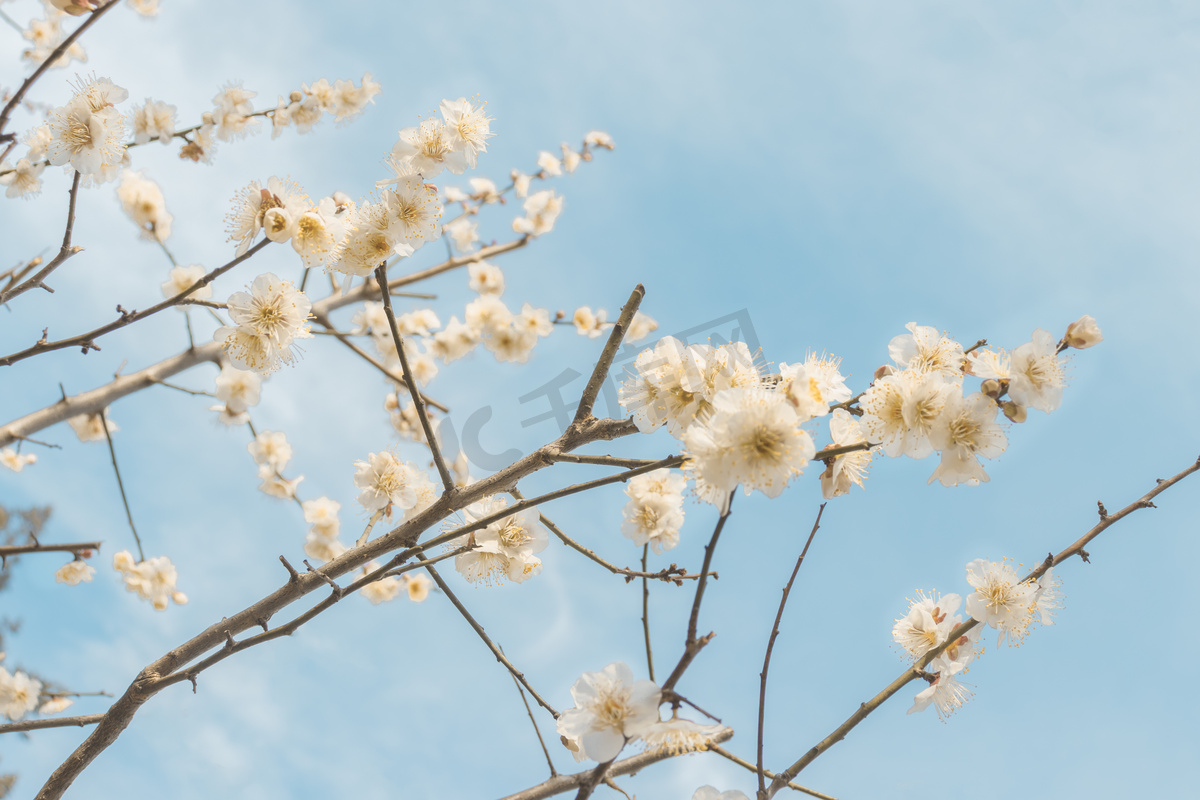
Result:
{"points": [[18, 693], [75, 572], [15, 461], [541, 210], [1000, 600], [88, 132], [153, 579], [1037, 373], [611, 709], [267, 321]]}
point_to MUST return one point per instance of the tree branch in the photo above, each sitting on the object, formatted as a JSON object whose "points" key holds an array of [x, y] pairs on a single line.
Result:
{"points": [[52, 722], [604, 363], [762, 687], [16, 99], [411, 382], [64, 252], [628, 766], [915, 672], [87, 341]]}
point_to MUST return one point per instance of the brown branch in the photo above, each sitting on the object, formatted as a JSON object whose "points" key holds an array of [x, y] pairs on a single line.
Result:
{"points": [[51, 722], [496, 651], [92, 401], [694, 644], [604, 363], [917, 670], [834, 452], [627, 766], [64, 252], [646, 614], [87, 341], [103, 396], [418, 401], [172, 666], [762, 687], [672, 574], [325, 322], [121, 485], [741, 762], [20, 549], [607, 461], [16, 99], [533, 722]]}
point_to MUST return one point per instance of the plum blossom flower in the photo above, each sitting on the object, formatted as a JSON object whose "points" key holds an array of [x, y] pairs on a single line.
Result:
{"points": [[611, 709], [88, 132], [91, 427], [15, 461], [506, 548], [154, 120], [848, 469], [153, 579], [965, 430], [22, 180], [18, 693], [924, 350], [541, 210], [386, 481], [947, 694], [469, 127], [180, 279], [752, 438], [927, 624], [267, 321], [1037, 373], [1000, 599], [654, 513], [75, 572]]}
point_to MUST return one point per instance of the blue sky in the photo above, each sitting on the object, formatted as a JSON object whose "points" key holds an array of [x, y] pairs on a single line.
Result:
{"points": [[833, 171]]}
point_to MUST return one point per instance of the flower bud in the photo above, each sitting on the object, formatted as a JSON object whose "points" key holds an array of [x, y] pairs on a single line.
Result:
{"points": [[1083, 333], [1014, 411], [277, 224], [992, 388], [884, 371], [206, 118]]}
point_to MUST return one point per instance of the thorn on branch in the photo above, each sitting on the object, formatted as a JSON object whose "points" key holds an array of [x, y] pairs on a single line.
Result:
{"points": [[192, 677], [262, 623], [229, 642], [1049, 562], [125, 315], [1103, 510], [293, 576], [45, 338], [90, 344], [1084, 555], [337, 590]]}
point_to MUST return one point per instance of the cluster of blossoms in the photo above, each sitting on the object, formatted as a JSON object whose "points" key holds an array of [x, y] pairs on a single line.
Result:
{"points": [[506, 548], [737, 428], [387, 483], [237, 389], [919, 406], [15, 461], [88, 132], [75, 572], [267, 321], [142, 201], [92, 427], [613, 710], [88, 135], [271, 452], [415, 586], [1000, 600], [322, 542], [18, 693], [154, 579], [654, 513]]}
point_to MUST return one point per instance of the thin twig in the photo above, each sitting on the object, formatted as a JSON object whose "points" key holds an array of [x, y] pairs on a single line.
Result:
{"points": [[87, 341], [762, 687], [64, 252], [423, 415], [604, 363], [608, 461], [496, 651], [324, 321], [741, 762], [533, 722], [694, 644], [20, 549], [646, 614], [63, 46], [627, 766], [672, 574], [120, 484], [52, 722]]}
